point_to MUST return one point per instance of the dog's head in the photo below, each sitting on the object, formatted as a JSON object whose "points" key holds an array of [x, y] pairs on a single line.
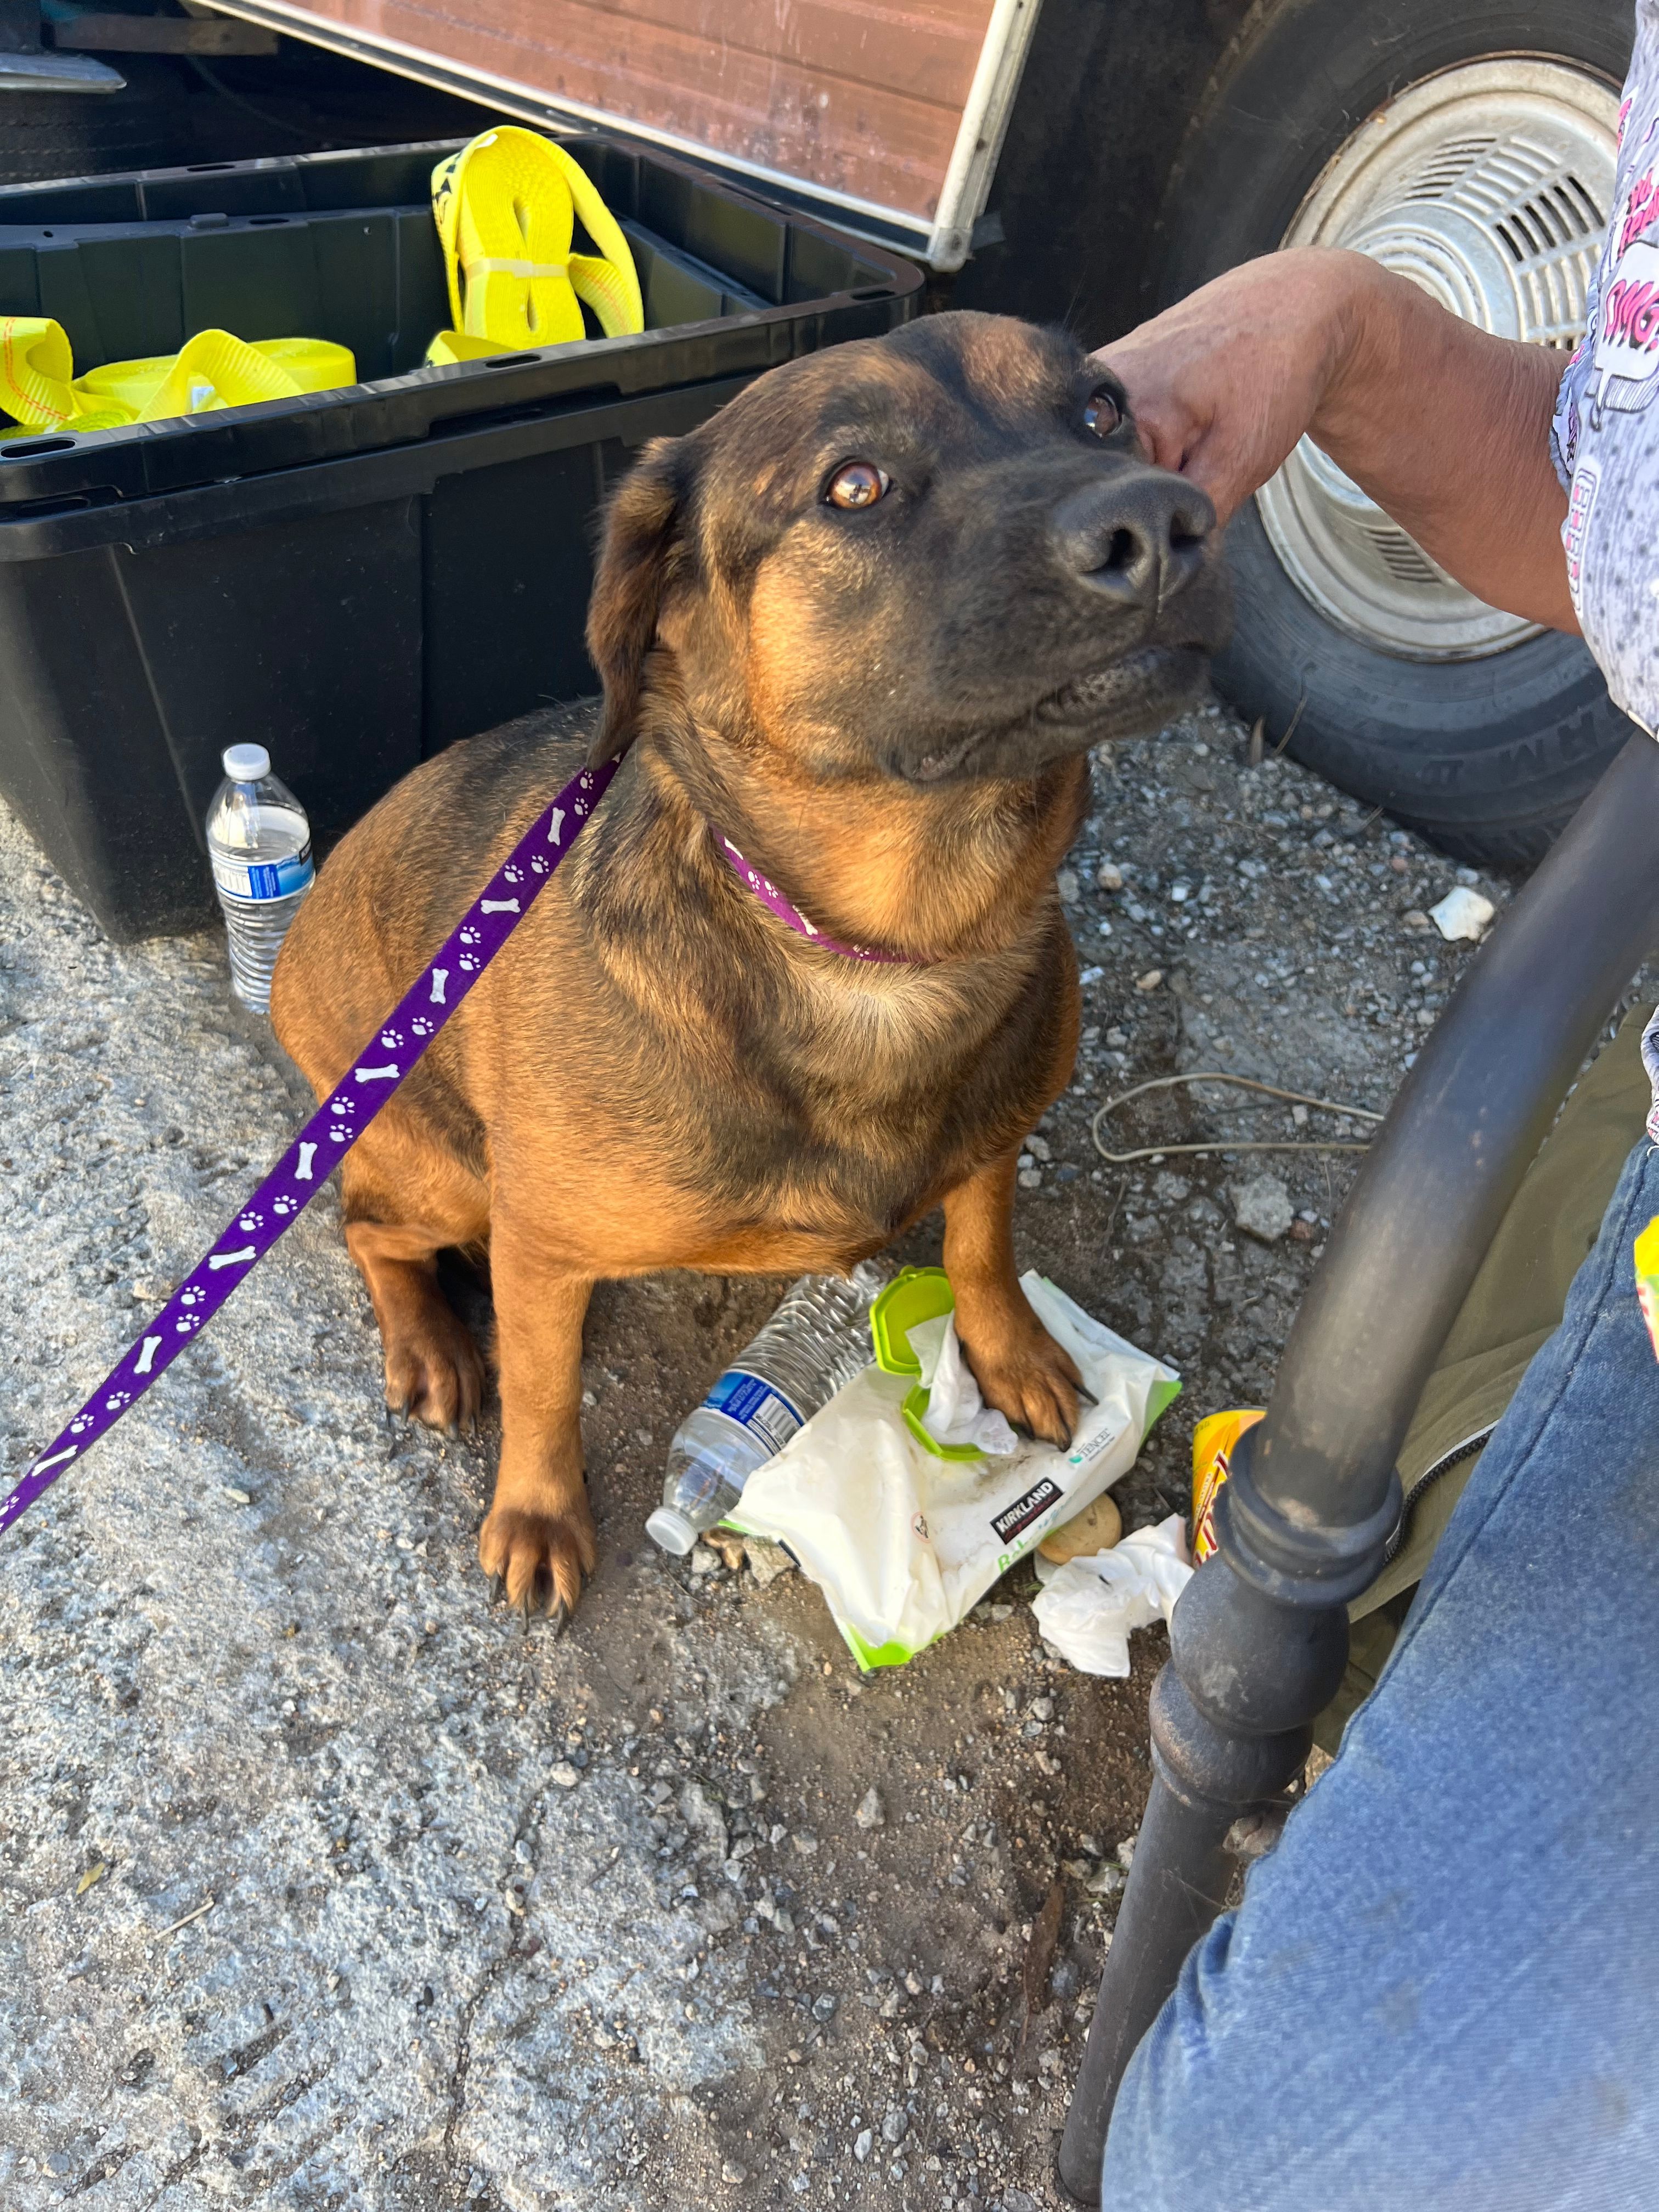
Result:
{"points": [[931, 556]]}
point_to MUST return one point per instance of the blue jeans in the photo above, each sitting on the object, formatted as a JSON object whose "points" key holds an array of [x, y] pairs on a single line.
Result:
{"points": [[1440, 1992]]}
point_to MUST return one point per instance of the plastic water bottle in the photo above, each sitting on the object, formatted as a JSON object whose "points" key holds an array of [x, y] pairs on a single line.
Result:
{"points": [[259, 843], [814, 1345]]}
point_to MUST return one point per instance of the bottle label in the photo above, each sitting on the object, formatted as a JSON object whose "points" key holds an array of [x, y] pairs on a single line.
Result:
{"points": [[760, 1409], [265, 880]]}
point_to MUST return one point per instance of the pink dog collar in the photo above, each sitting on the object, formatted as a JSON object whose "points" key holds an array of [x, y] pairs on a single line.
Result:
{"points": [[792, 917]]}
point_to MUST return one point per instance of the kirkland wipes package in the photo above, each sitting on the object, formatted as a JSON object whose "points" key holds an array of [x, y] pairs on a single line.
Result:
{"points": [[902, 1541]]}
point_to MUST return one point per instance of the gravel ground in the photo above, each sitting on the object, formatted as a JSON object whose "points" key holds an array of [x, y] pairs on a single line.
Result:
{"points": [[322, 1886]]}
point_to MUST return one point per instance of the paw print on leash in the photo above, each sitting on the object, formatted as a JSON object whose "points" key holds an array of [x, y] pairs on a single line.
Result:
{"points": [[538, 867], [191, 1296], [282, 1207], [250, 1221], [80, 1423], [469, 936], [422, 1027], [513, 875], [344, 1107], [116, 1399], [393, 1040], [469, 961]]}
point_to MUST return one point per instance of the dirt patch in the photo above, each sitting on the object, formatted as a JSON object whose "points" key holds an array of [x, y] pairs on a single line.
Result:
{"points": [[498, 1920]]}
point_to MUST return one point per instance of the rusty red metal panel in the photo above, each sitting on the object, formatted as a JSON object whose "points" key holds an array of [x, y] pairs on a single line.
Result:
{"points": [[862, 98]]}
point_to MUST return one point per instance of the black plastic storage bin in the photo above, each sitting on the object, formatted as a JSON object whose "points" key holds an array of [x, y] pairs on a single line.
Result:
{"points": [[354, 578]]}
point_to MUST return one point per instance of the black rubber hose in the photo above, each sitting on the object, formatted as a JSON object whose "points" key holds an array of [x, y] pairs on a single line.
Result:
{"points": [[1465, 1127]]}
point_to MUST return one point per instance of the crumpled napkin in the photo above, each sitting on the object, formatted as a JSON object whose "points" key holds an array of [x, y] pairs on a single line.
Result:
{"points": [[1087, 1607], [955, 1414]]}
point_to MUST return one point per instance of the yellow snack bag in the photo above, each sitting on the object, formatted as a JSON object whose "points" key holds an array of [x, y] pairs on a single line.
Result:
{"points": [[1647, 1279], [1214, 1440]]}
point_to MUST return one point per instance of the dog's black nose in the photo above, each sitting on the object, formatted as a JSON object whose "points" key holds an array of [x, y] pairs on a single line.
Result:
{"points": [[1137, 539]]}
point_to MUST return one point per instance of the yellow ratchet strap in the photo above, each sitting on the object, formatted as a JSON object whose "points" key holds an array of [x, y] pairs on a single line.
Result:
{"points": [[506, 208], [40, 389]]}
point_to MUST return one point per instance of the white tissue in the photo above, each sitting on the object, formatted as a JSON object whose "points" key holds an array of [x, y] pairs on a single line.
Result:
{"points": [[955, 1414], [1087, 1607]]}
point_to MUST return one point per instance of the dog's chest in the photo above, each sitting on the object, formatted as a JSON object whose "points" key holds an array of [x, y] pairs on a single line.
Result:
{"points": [[857, 1120]]}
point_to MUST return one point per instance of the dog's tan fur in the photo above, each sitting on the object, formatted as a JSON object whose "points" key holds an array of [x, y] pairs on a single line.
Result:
{"points": [[655, 1072]]}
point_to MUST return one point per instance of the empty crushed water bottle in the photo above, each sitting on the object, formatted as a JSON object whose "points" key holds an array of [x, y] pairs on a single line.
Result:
{"points": [[814, 1345], [259, 843]]}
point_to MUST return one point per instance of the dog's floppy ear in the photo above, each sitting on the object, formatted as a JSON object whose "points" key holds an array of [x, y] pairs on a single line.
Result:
{"points": [[640, 526]]}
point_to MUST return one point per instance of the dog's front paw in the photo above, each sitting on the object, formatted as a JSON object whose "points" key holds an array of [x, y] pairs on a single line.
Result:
{"points": [[539, 1558], [1027, 1377], [433, 1369]]}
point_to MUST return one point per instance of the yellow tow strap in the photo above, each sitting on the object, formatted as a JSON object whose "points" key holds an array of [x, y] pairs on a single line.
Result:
{"points": [[38, 387], [506, 208]]}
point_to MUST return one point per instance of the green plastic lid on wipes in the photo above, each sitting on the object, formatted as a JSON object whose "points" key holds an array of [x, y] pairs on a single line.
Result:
{"points": [[914, 1295]]}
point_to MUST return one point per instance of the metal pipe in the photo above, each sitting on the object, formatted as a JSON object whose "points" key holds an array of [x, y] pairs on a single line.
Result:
{"points": [[1260, 1637], [1465, 1127]]}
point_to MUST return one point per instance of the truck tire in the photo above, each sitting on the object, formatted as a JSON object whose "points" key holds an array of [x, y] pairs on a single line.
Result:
{"points": [[1386, 127]]}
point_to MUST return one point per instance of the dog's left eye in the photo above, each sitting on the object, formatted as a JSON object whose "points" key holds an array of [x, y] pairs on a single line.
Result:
{"points": [[857, 483], [1103, 414]]}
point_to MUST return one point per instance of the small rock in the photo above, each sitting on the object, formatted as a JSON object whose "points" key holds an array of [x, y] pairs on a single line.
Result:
{"points": [[1097, 1528], [1415, 919], [729, 1545], [1039, 1148], [1463, 913], [1150, 980], [731, 2171], [1263, 1208], [804, 1844], [767, 1560], [897, 2125], [863, 2143], [1031, 1178], [703, 1561], [872, 1813], [237, 1496], [1110, 877], [1126, 1851], [564, 1776], [1117, 1038], [1018, 2200], [1067, 884]]}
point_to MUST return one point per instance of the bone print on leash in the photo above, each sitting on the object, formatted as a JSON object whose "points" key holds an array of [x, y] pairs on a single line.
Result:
{"points": [[337, 1123]]}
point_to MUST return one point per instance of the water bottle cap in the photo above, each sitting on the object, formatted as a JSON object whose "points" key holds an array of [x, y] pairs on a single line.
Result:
{"points": [[671, 1530], [247, 763]]}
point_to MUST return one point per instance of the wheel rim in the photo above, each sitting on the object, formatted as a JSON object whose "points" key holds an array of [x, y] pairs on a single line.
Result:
{"points": [[1489, 185]]}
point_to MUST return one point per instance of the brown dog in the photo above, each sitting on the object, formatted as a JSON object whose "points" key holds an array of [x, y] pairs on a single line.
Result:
{"points": [[866, 623]]}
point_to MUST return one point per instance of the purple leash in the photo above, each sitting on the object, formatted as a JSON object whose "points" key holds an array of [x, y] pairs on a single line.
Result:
{"points": [[330, 1133], [347, 1111]]}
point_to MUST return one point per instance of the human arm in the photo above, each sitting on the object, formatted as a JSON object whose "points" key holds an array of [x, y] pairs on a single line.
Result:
{"points": [[1446, 427]]}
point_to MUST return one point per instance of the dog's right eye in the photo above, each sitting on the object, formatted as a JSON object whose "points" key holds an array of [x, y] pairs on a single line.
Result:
{"points": [[855, 484]]}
